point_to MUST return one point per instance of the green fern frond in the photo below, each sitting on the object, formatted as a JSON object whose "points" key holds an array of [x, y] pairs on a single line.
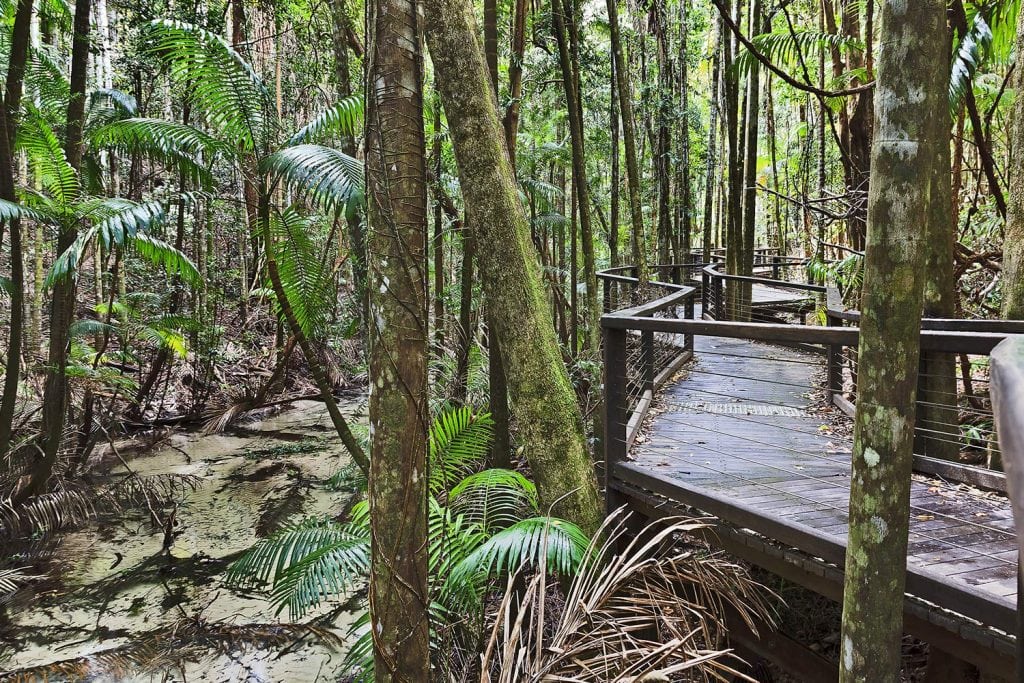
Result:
{"points": [[459, 439], [326, 176], [495, 498], [554, 544], [175, 144], [784, 48], [341, 119], [307, 282], [221, 84]]}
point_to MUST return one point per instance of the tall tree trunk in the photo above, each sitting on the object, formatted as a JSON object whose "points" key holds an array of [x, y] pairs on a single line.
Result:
{"points": [[734, 213], [625, 91], [1013, 242], [750, 148], [569, 61], [515, 79], [497, 383], [613, 221], [684, 195], [62, 305], [710, 161], [938, 432], [399, 410], [541, 394], [912, 123], [11, 104], [663, 142]]}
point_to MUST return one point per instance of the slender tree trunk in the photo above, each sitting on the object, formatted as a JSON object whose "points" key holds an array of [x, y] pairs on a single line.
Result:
{"points": [[541, 394], [711, 162], [515, 79], [438, 242], [613, 221], [911, 125], [750, 148], [1013, 242], [497, 384], [568, 59], [11, 104], [684, 194], [938, 432], [399, 418], [62, 305], [663, 142], [734, 213], [625, 91]]}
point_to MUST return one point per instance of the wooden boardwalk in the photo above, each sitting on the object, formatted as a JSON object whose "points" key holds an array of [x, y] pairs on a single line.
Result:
{"points": [[744, 433]]}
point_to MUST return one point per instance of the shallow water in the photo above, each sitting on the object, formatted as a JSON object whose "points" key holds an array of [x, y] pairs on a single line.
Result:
{"points": [[113, 580]]}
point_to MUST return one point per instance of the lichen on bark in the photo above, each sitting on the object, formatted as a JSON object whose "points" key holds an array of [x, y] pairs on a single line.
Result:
{"points": [[541, 396], [911, 87]]}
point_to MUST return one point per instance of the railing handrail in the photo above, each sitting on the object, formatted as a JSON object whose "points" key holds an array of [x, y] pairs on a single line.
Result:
{"points": [[712, 271]]}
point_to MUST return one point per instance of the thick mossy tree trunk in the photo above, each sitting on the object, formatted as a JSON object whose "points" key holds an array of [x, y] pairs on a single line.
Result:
{"points": [[399, 332], [1013, 244], [911, 89], [541, 395]]}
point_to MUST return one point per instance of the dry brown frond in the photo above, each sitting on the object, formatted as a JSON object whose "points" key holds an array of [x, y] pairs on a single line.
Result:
{"points": [[654, 612]]}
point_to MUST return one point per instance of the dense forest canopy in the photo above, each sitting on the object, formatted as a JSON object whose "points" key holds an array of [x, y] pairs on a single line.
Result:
{"points": [[408, 217]]}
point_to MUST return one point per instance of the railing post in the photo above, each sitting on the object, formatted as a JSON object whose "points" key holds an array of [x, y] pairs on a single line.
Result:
{"points": [[775, 268], [834, 377], [719, 299], [615, 416], [688, 314], [647, 358], [705, 292], [607, 298], [1007, 369]]}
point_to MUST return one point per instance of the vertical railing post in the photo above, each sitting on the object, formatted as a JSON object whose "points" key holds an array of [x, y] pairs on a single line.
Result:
{"points": [[1007, 371], [647, 358], [834, 377], [775, 268], [607, 298], [705, 292], [688, 338], [719, 299], [615, 411]]}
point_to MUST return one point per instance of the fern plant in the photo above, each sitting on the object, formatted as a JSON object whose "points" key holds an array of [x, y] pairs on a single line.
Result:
{"points": [[483, 525]]}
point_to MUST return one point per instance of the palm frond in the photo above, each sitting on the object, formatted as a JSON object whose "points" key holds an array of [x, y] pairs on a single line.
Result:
{"points": [[45, 513], [495, 498], [10, 211], [459, 439], [325, 176], [341, 119], [785, 48], [107, 105], [46, 156], [175, 144], [306, 281], [552, 545], [968, 57], [221, 84], [270, 559]]}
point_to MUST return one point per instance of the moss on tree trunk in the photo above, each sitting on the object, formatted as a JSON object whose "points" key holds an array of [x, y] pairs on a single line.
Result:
{"points": [[1013, 244], [540, 393], [910, 92]]}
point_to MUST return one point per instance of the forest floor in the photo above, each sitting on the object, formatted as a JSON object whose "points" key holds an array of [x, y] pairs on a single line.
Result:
{"points": [[113, 583]]}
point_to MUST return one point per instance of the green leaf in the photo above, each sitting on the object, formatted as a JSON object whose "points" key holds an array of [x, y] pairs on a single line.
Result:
{"points": [[324, 175], [341, 119]]}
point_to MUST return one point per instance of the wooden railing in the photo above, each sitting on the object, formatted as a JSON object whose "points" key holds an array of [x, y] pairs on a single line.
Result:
{"points": [[642, 352]]}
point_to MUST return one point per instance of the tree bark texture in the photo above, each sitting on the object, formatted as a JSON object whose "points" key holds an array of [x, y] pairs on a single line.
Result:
{"points": [[911, 87], [1013, 244], [540, 393], [399, 332]]}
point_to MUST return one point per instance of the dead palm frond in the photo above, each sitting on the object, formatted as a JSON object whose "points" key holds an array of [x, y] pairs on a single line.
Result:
{"points": [[169, 647], [68, 507], [655, 611]]}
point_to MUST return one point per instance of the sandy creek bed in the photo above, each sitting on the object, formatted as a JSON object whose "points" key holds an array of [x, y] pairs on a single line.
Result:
{"points": [[252, 482]]}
